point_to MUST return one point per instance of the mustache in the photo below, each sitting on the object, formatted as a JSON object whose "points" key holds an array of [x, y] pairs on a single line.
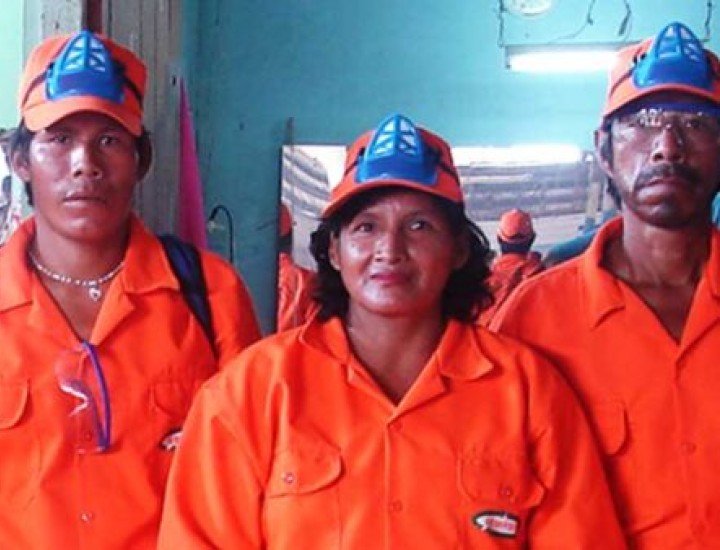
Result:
{"points": [[667, 170]]}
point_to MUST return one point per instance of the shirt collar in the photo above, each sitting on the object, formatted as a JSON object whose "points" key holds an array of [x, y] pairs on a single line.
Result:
{"points": [[600, 287], [459, 354], [15, 273], [146, 265]]}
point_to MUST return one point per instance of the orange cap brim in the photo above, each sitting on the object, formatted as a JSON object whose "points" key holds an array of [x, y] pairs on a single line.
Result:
{"points": [[45, 114], [357, 189]]}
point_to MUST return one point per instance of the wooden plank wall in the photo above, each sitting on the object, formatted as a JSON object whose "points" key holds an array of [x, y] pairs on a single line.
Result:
{"points": [[152, 29]]}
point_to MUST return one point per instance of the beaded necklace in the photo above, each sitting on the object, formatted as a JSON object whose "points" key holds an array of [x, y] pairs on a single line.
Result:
{"points": [[92, 285]]}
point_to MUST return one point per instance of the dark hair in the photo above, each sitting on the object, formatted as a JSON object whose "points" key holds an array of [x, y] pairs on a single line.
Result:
{"points": [[21, 138], [466, 293], [522, 247]]}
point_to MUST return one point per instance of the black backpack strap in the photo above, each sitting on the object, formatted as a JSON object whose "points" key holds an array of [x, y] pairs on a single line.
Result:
{"points": [[185, 261]]}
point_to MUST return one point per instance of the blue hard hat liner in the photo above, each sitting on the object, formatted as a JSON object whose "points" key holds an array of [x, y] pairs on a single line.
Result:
{"points": [[397, 151]]}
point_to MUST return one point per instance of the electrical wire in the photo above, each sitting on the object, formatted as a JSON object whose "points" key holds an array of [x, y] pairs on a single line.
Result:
{"points": [[500, 14], [624, 29], [589, 21], [709, 8], [626, 24]]}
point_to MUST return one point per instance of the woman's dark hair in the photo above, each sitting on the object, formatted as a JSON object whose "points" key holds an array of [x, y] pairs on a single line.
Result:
{"points": [[466, 293], [21, 138]]}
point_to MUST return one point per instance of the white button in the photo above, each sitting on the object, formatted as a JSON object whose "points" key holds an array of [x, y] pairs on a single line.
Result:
{"points": [[87, 517], [507, 492]]}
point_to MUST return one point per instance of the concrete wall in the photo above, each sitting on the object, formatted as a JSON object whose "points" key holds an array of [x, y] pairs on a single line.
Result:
{"points": [[336, 68], [11, 58]]}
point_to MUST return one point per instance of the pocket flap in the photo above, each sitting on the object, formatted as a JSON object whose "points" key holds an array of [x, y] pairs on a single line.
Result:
{"points": [[609, 422], [504, 477], [13, 400], [172, 398], [304, 467]]}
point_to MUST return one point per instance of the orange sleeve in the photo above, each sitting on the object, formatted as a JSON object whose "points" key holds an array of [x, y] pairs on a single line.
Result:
{"points": [[578, 503], [212, 499], [233, 314]]}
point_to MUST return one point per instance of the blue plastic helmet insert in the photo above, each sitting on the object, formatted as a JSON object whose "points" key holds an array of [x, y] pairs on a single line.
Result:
{"points": [[676, 57], [85, 67], [397, 151]]}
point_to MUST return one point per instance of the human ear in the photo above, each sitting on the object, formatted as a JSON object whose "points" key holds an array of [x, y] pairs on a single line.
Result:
{"points": [[603, 152], [20, 164], [334, 251]]}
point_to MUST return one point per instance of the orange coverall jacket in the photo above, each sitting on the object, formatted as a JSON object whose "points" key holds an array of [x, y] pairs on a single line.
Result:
{"points": [[295, 303], [295, 447], [653, 401], [154, 356], [508, 271]]}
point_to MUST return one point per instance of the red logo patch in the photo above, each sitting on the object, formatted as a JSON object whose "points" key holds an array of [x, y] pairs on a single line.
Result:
{"points": [[497, 523]]}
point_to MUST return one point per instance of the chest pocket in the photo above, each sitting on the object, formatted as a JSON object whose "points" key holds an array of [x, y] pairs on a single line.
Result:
{"points": [[20, 460], [302, 494], [500, 493], [505, 479]]}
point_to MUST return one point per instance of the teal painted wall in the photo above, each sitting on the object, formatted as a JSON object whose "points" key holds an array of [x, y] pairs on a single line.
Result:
{"points": [[11, 59], [336, 68]]}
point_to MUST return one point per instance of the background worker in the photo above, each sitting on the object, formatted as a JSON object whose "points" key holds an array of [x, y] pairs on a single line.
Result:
{"points": [[295, 303], [634, 322], [390, 420], [516, 262], [101, 353]]}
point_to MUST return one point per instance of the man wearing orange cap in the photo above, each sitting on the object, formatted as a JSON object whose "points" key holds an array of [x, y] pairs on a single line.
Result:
{"points": [[516, 262], [295, 303], [101, 354], [634, 322]]}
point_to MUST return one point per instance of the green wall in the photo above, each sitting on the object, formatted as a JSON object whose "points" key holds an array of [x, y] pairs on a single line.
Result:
{"points": [[337, 67], [11, 59]]}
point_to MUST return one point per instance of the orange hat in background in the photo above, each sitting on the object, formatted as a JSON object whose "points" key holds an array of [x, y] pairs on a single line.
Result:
{"points": [[515, 226], [79, 72], [674, 60], [285, 223], [401, 155]]}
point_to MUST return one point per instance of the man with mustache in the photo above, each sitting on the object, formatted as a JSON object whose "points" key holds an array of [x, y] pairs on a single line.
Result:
{"points": [[634, 322]]}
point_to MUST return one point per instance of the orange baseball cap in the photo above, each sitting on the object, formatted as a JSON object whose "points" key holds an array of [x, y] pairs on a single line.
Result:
{"points": [[286, 222], [515, 226], [674, 60], [397, 154], [71, 73]]}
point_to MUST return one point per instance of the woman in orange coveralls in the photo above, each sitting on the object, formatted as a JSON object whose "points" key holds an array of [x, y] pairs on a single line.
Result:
{"points": [[390, 421], [100, 353]]}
